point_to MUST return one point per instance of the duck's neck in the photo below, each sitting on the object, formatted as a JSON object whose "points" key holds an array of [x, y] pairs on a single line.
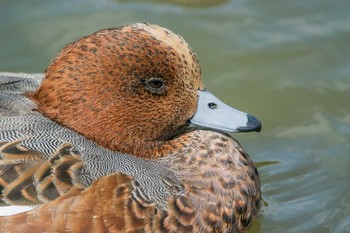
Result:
{"points": [[143, 149], [153, 149]]}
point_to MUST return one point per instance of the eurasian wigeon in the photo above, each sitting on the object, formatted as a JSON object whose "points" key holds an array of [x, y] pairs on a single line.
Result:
{"points": [[122, 133]]}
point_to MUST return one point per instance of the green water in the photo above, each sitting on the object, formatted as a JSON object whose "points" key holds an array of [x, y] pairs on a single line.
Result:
{"points": [[287, 62]]}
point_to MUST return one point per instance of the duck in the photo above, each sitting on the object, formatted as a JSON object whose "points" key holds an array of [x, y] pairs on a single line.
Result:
{"points": [[120, 135]]}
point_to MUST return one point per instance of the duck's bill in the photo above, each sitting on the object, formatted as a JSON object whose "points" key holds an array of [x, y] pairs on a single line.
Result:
{"points": [[213, 113]]}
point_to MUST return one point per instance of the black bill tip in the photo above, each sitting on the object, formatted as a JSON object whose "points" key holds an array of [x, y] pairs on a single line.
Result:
{"points": [[253, 124]]}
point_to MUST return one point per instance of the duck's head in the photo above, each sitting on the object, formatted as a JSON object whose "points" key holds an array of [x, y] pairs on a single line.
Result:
{"points": [[131, 88]]}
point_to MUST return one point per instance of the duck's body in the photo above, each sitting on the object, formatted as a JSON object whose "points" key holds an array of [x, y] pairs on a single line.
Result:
{"points": [[61, 138]]}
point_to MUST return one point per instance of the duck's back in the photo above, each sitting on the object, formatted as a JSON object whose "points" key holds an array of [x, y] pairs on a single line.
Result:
{"points": [[28, 141], [12, 88]]}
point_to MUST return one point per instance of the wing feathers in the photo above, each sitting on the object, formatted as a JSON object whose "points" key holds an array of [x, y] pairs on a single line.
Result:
{"points": [[37, 170]]}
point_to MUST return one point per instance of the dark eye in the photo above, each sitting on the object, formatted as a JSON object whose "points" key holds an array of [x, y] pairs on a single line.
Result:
{"points": [[155, 85]]}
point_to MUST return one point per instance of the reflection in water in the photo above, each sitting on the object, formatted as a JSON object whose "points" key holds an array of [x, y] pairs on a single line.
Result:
{"points": [[265, 163]]}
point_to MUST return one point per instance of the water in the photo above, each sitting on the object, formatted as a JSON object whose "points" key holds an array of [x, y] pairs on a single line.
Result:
{"points": [[286, 62]]}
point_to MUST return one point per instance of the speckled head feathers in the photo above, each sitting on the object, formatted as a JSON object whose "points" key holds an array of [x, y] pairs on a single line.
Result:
{"points": [[127, 88]]}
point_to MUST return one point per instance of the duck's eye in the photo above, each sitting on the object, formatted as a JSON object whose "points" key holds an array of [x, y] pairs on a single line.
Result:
{"points": [[155, 85]]}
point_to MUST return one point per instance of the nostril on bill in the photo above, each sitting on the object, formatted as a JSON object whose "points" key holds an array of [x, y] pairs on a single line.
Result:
{"points": [[212, 105]]}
